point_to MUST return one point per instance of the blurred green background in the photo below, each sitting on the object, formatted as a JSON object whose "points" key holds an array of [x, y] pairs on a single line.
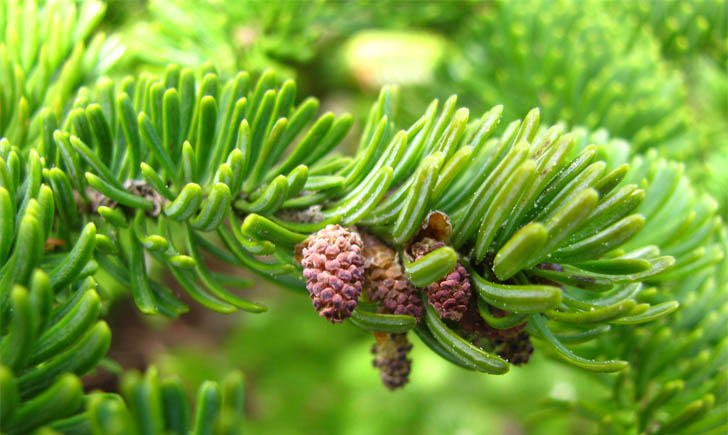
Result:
{"points": [[305, 376], [652, 72]]}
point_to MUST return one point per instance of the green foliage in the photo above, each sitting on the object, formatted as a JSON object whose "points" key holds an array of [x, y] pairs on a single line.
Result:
{"points": [[414, 14], [710, 93], [148, 404], [677, 381], [605, 249], [680, 384], [683, 27], [47, 50], [51, 336], [554, 242], [151, 405], [598, 65], [258, 35], [333, 390], [250, 35], [188, 147], [578, 63]]}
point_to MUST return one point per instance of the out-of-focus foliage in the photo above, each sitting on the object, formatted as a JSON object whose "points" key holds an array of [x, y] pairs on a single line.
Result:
{"points": [[684, 27], [579, 64], [47, 50], [599, 64], [325, 383], [414, 14], [369, 55], [284, 35], [709, 100], [251, 35]]}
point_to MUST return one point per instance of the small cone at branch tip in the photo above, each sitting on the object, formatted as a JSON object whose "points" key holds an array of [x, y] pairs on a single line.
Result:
{"points": [[333, 268], [449, 295], [385, 281], [390, 357]]}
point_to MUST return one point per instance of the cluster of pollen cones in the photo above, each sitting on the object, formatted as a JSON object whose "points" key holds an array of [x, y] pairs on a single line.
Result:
{"points": [[341, 265]]}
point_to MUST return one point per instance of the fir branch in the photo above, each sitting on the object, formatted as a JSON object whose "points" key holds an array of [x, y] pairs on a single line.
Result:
{"points": [[683, 28], [47, 51], [538, 243], [677, 381], [580, 64], [532, 231]]}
